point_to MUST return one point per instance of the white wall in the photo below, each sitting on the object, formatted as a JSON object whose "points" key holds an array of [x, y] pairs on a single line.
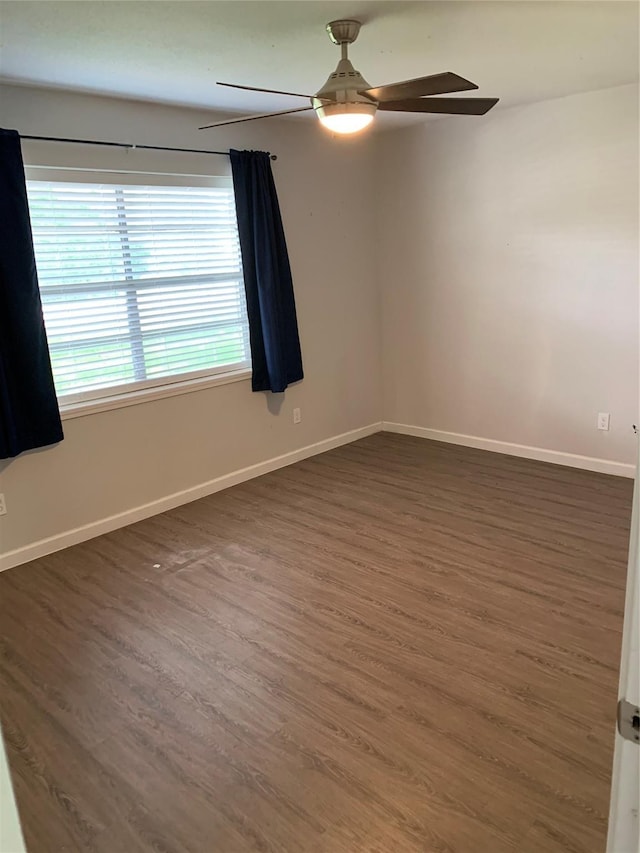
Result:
{"points": [[508, 256], [114, 461]]}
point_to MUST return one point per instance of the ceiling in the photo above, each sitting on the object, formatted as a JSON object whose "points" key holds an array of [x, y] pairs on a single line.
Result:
{"points": [[174, 52]]}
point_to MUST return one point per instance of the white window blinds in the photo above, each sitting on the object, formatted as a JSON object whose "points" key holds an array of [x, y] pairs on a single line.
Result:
{"points": [[141, 283]]}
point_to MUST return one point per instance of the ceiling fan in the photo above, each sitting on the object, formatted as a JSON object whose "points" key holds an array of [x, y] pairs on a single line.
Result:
{"points": [[347, 103]]}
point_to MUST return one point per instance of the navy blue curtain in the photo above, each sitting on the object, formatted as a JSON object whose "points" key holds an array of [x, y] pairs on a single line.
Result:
{"points": [[273, 326], [29, 415]]}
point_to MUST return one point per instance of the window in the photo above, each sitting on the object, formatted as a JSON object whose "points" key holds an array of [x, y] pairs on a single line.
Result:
{"points": [[140, 277]]}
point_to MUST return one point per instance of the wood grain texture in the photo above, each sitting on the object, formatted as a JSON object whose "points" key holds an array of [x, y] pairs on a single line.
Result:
{"points": [[399, 645]]}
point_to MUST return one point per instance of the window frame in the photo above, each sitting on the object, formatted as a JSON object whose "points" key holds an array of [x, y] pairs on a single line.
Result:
{"points": [[144, 390]]}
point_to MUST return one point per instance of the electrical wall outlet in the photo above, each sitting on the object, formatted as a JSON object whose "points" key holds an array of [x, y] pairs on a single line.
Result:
{"points": [[297, 416], [604, 419], [3, 505]]}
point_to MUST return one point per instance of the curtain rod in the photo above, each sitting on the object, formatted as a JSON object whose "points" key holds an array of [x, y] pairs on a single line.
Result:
{"points": [[129, 145]]}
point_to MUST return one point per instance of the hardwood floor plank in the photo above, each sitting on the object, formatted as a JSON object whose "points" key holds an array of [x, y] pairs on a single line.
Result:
{"points": [[399, 646]]}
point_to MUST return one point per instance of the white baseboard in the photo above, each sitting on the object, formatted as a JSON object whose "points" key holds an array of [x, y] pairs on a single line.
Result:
{"points": [[122, 519], [130, 516], [556, 457]]}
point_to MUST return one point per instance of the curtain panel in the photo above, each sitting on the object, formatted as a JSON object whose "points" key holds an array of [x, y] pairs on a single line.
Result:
{"points": [[273, 326], [29, 415]]}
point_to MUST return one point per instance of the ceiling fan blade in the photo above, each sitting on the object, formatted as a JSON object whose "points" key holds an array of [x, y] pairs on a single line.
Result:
{"points": [[268, 91], [449, 106], [253, 117], [435, 84]]}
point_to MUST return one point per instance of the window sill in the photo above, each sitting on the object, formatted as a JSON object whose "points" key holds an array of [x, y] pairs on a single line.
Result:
{"points": [[147, 395]]}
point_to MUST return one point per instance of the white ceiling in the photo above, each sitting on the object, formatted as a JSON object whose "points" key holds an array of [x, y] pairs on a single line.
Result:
{"points": [[174, 52]]}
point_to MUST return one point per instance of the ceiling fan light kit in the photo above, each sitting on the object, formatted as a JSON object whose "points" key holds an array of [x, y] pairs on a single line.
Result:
{"points": [[347, 103], [345, 117]]}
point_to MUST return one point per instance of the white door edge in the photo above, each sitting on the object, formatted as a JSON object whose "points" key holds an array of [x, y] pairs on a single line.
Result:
{"points": [[624, 823]]}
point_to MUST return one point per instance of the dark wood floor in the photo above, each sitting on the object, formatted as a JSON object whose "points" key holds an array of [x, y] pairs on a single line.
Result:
{"points": [[397, 646]]}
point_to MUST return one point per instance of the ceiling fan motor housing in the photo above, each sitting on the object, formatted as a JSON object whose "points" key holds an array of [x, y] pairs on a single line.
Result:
{"points": [[343, 87], [341, 91], [344, 84]]}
